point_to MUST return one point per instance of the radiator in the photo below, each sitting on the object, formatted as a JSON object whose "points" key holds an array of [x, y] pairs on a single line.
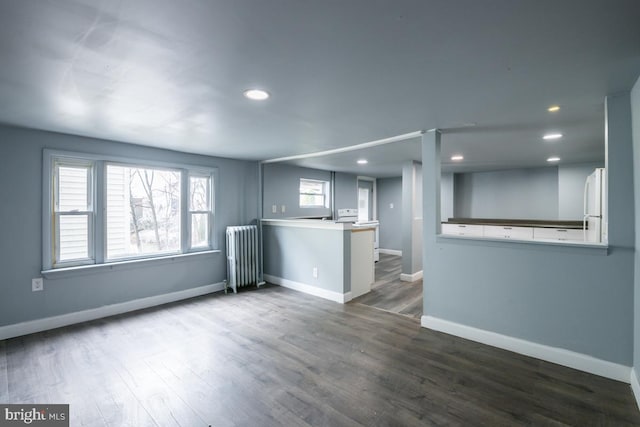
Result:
{"points": [[242, 257]]}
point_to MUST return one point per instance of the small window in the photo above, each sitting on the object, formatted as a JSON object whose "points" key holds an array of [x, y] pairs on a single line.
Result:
{"points": [[313, 193], [200, 210], [73, 213]]}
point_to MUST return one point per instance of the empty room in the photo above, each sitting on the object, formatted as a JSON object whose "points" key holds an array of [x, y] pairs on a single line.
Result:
{"points": [[319, 213]]}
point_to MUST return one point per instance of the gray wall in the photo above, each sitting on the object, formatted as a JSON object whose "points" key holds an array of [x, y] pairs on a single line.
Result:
{"points": [[292, 252], [281, 186], [390, 192], [571, 180], [21, 230], [346, 188], [446, 196], [571, 298], [635, 111], [519, 194]]}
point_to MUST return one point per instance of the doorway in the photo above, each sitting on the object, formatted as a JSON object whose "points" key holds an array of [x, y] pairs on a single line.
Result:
{"points": [[366, 210]]}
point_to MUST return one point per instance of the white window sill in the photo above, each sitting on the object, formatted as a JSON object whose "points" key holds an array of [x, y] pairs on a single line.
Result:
{"points": [[57, 273]]}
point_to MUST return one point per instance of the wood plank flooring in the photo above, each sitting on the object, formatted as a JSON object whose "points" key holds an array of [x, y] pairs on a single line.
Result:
{"points": [[390, 294], [276, 357]]}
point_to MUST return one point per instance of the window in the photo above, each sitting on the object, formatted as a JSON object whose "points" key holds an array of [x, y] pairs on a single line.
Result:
{"points": [[143, 211], [199, 209], [72, 215], [106, 210], [313, 193]]}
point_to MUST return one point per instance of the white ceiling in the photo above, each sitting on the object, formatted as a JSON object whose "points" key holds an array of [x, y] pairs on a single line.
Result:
{"points": [[171, 74]]}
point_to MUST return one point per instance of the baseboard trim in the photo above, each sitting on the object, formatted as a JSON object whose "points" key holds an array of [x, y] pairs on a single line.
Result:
{"points": [[39, 325], [571, 359], [411, 277], [635, 386], [309, 289], [390, 252]]}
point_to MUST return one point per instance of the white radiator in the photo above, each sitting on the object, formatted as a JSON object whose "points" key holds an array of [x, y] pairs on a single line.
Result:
{"points": [[242, 257]]}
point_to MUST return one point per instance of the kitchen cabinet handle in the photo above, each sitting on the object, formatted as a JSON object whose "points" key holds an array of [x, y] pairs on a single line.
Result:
{"points": [[462, 226], [562, 231], [507, 228]]}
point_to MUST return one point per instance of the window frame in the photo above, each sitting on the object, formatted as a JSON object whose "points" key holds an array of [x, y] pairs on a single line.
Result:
{"points": [[130, 164], [210, 211], [325, 193], [98, 234], [56, 213]]}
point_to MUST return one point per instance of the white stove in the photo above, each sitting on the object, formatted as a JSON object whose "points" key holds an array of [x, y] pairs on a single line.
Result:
{"points": [[351, 215]]}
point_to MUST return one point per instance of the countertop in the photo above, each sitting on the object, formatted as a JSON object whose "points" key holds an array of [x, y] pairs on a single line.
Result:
{"points": [[505, 222]]}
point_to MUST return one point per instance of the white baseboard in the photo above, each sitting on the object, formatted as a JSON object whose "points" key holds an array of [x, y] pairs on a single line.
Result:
{"points": [[390, 252], [309, 289], [39, 325], [635, 386], [411, 277], [556, 355]]}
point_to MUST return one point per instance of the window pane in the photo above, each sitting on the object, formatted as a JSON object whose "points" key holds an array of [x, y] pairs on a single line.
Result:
{"points": [[199, 193], [313, 193], [72, 188], [199, 230], [311, 200], [143, 211], [74, 237], [311, 187]]}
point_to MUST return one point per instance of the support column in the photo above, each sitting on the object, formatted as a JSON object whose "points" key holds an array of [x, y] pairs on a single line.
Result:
{"points": [[430, 206], [619, 168], [411, 221]]}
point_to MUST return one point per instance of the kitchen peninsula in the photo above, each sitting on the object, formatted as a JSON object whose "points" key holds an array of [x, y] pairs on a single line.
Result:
{"points": [[332, 260]]}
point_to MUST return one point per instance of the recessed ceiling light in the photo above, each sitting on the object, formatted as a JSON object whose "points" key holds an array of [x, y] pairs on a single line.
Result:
{"points": [[256, 94], [362, 162], [457, 157], [553, 159], [552, 136], [553, 108]]}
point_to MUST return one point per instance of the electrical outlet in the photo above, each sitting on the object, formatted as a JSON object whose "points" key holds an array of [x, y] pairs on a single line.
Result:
{"points": [[37, 284], [274, 209], [315, 272], [282, 208], [390, 205]]}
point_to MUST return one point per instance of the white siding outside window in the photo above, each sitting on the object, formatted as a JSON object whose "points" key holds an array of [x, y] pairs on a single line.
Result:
{"points": [[118, 215]]}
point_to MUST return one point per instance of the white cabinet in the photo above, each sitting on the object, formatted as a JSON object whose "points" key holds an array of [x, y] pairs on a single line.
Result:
{"points": [[507, 232], [362, 264], [514, 232], [563, 234], [462, 229]]}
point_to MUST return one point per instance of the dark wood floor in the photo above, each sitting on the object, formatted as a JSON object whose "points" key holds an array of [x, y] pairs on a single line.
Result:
{"points": [[276, 357], [389, 293]]}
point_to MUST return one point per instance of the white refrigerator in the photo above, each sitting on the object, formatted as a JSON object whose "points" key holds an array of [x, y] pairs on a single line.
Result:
{"points": [[595, 204]]}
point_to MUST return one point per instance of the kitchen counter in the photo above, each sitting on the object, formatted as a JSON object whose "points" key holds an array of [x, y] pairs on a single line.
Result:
{"points": [[537, 223], [332, 260], [515, 229]]}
